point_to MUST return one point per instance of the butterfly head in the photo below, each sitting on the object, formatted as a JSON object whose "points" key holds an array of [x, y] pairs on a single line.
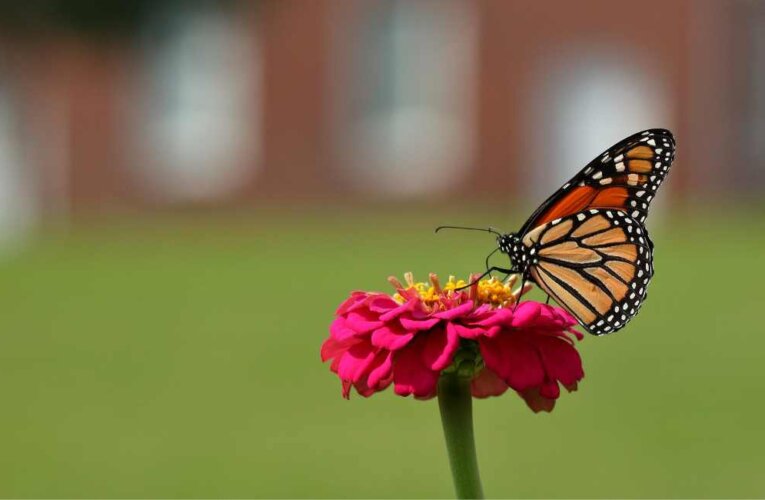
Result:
{"points": [[511, 245]]}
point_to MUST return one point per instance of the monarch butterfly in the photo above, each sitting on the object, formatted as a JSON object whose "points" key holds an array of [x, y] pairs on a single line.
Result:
{"points": [[586, 245]]}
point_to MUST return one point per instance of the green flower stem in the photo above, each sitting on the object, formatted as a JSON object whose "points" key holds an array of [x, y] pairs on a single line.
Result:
{"points": [[456, 404]]}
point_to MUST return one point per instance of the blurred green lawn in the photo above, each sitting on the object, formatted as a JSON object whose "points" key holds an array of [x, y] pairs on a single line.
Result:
{"points": [[178, 356]]}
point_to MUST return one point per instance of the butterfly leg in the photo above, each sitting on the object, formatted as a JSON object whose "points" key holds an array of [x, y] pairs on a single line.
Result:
{"points": [[520, 291], [487, 260], [524, 279]]}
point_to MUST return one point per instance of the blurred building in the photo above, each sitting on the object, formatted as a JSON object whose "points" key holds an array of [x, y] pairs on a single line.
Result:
{"points": [[238, 102]]}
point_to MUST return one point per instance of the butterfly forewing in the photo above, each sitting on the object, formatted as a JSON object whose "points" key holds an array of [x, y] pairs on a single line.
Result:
{"points": [[596, 264], [625, 177]]}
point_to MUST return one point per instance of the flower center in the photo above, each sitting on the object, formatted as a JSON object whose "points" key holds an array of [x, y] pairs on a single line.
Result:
{"points": [[435, 296], [495, 292]]}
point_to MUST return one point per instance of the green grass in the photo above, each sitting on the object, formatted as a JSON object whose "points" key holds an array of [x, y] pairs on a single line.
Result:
{"points": [[179, 357]]}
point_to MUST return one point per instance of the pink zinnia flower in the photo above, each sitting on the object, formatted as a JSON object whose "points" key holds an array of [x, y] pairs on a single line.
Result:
{"points": [[409, 338]]}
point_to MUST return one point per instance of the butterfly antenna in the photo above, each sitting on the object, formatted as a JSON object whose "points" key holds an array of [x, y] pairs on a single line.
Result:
{"points": [[486, 230]]}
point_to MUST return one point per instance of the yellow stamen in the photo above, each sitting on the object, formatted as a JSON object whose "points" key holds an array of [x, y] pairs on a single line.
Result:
{"points": [[434, 295], [453, 284], [495, 292]]}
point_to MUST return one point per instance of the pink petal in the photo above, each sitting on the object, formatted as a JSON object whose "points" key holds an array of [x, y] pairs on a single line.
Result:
{"points": [[355, 362], [363, 389], [391, 336], [355, 300], [550, 389], [513, 359], [362, 321], [382, 304], [497, 317], [486, 384], [482, 309], [554, 319], [576, 333], [410, 305], [381, 369], [384, 383], [536, 401], [410, 375], [428, 396], [335, 363], [456, 312], [440, 346], [548, 313], [415, 324], [340, 331], [525, 313], [572, 387], [561, 360], [563, 316], [331, 348], [468, 332], [493, 331]]}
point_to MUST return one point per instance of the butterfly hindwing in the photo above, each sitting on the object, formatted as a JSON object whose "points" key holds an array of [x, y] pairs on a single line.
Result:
{"points": [[597, 264], [625, 177]]}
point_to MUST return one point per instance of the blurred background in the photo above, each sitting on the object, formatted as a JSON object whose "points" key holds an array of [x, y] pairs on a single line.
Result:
{"points": [[189, 188]]}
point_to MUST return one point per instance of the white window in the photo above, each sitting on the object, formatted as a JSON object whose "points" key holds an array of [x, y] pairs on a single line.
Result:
{"points": [[18, 196], [405, 122], [198, 125], [584, 101], [752, 164]]}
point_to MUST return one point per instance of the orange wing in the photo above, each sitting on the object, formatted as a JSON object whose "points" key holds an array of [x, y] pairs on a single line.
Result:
{"points": [[596, 264], [625, 177]]}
